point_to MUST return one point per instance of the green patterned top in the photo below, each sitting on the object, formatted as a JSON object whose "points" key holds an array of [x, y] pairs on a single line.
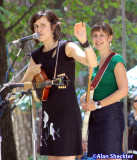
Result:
{"points": [[108, 84]]}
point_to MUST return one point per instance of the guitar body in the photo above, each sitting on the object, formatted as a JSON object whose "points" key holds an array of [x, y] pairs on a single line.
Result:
{"points": [[41, 94], [42, 85], [86, 120]]}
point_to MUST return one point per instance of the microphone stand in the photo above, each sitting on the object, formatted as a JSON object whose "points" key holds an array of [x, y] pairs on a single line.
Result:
{"points": [[16, 75], [6, 102], [20, 99], [34, 137], [0, 145], [21, 47], [33, 120]]}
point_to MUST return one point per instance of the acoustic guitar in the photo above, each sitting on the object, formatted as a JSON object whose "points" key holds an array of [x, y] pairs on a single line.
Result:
{"points": [[42, 84]]}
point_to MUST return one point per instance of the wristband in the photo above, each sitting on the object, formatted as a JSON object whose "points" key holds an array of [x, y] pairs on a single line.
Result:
{"points": [[85, 45]]}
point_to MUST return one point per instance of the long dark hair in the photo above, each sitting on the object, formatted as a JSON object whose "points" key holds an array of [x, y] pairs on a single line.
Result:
{"points": [[52, 18]]}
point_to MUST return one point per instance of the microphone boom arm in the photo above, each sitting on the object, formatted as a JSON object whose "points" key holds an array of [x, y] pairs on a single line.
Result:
{"points": [[21, 47]]}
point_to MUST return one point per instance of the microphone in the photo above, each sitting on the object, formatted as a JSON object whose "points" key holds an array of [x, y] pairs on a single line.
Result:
{"points": [[25, 85], [33, 36]]}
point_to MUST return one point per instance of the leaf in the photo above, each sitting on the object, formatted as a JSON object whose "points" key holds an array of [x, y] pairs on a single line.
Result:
{"points": [[134, 30]]}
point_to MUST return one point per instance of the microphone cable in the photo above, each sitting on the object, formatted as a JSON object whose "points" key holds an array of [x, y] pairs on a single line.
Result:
{"points": [[1, 107], [9, 64]]}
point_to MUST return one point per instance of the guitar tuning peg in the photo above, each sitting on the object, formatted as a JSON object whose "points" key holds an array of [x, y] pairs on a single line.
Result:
{"points": [[58, 87]]}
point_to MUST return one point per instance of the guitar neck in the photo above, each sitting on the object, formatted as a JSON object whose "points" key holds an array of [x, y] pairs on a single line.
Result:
{"points": [[89, 93], [48, 83], [87, 114]]}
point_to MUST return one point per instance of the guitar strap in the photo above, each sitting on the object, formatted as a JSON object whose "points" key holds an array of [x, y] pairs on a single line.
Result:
{"points": [[101, 72], [57, 53]]}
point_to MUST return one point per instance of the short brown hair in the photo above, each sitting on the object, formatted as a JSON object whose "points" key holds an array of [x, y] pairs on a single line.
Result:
{"points": [[104, 26], [52, 18]]}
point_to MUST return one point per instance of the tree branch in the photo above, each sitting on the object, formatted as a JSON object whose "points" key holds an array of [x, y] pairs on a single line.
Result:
{"points": [[12, 26], [1, 3]]}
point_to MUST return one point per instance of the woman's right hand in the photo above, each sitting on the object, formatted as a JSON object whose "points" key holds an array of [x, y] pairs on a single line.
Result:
{"points": [[35, 69], [83, 98], [32, 70]]}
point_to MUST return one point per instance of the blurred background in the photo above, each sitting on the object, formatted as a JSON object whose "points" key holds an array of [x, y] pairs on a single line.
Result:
{"points": [[15, 18]]}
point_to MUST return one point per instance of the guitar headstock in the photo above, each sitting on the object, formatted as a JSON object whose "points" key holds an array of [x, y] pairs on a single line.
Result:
{"points": [[63, 81]]}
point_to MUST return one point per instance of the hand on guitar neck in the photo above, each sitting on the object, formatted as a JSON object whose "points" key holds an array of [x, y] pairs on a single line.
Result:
{"points": [[42, 85]]}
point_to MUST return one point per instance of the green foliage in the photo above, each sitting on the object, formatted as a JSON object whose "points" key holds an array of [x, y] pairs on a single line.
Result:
{"points": [[3, 14], [74, 11], [42, 157], [131, 6], [101, 6], [131, 40]]}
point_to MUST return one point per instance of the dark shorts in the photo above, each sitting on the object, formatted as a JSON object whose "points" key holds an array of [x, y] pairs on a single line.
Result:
{"points": [[106, 126]]}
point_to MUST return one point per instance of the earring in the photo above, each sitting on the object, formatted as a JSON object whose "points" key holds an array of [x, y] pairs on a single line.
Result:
{"points": [[110, 44], [93, 46]]}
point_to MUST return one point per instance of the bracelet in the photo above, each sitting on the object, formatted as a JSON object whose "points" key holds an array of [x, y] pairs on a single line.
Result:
{"points": [[98, 105], [86, 48], [85, 45]]}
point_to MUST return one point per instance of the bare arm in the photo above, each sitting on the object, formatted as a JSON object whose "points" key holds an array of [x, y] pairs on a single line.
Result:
{"points": [[122, 82], [87, 57], [32, 70]]}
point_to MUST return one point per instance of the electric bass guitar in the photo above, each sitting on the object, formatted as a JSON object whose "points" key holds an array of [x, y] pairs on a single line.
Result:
{"points": [[42, 84]]}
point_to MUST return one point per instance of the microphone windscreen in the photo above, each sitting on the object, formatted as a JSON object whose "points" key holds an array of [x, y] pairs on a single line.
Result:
{"points": [[36, 35]]}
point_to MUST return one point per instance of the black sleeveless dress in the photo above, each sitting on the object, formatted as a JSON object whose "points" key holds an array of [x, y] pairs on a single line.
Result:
{"points": [[61, 117]]}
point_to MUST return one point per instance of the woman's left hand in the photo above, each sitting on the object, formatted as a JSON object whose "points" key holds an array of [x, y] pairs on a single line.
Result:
{"points": [[90, 106], [80, 32]]}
